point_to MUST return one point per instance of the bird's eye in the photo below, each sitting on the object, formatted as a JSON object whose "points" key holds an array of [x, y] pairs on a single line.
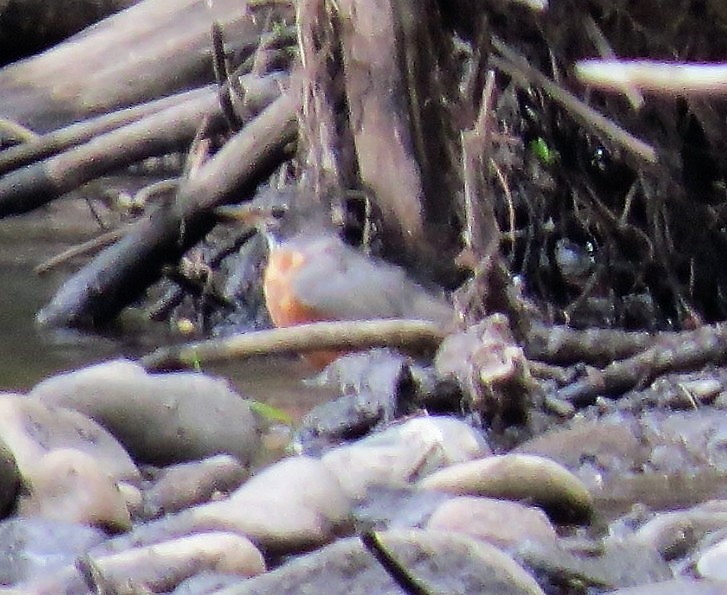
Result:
{"points": [[278, 211]]}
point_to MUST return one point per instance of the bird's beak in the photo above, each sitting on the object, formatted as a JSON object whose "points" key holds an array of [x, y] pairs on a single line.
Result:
{"points": [[250, 214], [264, 219], [244, 214]]}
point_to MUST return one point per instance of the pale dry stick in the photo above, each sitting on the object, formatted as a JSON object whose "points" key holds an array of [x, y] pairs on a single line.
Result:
{"points": [[514, 65], [536, 5], [635, 98], [655, 77], [316, 336], [475, 151]]}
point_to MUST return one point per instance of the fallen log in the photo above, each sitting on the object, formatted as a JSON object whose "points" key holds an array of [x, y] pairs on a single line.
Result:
{"points": [[119, 274], [57, 141], [29, 26], [96, 71], [166, 131]]}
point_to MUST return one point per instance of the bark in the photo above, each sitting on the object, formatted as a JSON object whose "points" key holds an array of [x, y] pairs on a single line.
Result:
{"points": [[119, 274], [166, 131], [400, 131], [95, 72], [28, 26]]}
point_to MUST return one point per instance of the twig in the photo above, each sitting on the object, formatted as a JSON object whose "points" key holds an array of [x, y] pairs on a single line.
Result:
{"points": [[681, 351], [599, 40], [518, 68], [676, 78], [92, 245], [393, 567], [118, 275], [344, 335], [164, 131], [565, 345]]}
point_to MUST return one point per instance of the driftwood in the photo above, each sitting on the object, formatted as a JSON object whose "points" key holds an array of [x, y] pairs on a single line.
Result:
{"points": [[344, 335], [168, 130], [119, 274], [28, 26], [57, 141], [94, 73], [687, 350]]}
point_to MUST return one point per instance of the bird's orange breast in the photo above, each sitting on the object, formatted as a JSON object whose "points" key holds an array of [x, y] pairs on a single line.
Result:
{"points": [[283, 305]]}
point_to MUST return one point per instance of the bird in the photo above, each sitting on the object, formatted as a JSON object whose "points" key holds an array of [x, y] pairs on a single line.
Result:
{"points": [[313, 275]]}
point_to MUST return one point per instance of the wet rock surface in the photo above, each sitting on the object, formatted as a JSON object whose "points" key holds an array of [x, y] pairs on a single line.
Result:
{"points": [[426, 497], [441, 563]]}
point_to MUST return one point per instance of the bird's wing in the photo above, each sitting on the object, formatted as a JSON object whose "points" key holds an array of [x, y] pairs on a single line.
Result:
{"points": [[347, 285]]}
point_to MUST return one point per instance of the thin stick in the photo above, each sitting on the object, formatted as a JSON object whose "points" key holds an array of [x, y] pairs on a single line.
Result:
{"points": [[344, 335], [92, 245], [393, 567], [517, 67], [657, 77], [599, 40]]}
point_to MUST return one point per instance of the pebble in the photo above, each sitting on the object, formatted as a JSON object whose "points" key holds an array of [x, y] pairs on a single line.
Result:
{"points": [[32, 547], [675, 587], [157, 568], [712, 562], [403, 453], [538, 480], [673, 534], [70, 485], [180, 486], [292, 505], [500, 522], [31, 429]]}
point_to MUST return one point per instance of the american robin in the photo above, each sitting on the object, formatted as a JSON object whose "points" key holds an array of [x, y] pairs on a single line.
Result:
{"points": [[313, 275]]}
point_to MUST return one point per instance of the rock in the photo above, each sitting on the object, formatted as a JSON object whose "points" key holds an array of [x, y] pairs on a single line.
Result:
{"points": [[438, 562], [9, 478], [500, 522], [674, 534], [593, 450], [681, 443], [36, 547], [206, 583], [291, 506], [538, 480], [712, 562], [396, 508], [30, 429], [161, 419], [70, 485], [607, 565], [158, 568], [404, 453], [675, 587], [294, 505], [180, 486], [376, 387]]}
